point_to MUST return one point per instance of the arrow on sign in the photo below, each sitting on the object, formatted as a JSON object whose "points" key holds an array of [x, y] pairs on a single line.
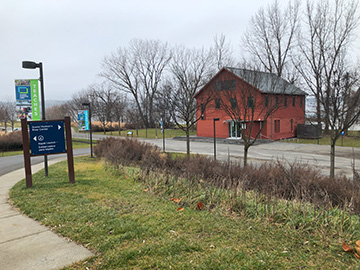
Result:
{"points": [[35, 139], [59, 127]]}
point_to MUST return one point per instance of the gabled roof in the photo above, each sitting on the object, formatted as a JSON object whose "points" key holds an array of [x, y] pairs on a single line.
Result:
{"points": [[266, 82], [263, 81]]}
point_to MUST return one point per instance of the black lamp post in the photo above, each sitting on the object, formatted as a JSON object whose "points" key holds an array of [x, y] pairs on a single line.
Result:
{"points": [[215, 119], [91, 148], [33, 65]]}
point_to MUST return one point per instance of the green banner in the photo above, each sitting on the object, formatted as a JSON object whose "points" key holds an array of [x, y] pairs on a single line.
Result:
{"points": [[35, 101]]}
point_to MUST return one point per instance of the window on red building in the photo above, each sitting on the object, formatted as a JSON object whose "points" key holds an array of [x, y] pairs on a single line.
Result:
{"points": [[233, 103], [202, 111], [217, 103], [277, 126], [250, 102], [225, 85]]}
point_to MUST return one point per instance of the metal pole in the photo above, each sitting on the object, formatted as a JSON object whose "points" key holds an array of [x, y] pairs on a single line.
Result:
{"points": [[214, 141], [163, 132], [41, 79], [91, 148], [214, 121]]}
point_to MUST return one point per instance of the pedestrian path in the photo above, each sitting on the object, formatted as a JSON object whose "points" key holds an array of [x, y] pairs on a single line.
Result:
{"points": [[24, 243]]}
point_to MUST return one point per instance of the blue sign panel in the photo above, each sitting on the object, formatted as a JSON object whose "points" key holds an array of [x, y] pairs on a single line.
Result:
{"points": [[83, 118], [86, 113], [47, 137], [23, 92]]}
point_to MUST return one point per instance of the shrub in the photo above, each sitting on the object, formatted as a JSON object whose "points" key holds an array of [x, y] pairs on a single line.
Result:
{"points": [[11, 141], [122, 151], [283, 180], [97, 127]]}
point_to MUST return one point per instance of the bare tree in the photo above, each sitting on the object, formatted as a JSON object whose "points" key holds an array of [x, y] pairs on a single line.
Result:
{"points": [[191, 70], [105, 99], [12, 114], [120, 105], [343, 107], [84, 96], [329, 30], [164, 108], [223, 53], [58, 111], [8, 114], [271, 37], [2, 112], [138, 70], [309, 62]]}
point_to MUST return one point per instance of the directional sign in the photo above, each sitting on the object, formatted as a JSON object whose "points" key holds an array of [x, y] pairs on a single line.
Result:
{"points": [[47, 137]]}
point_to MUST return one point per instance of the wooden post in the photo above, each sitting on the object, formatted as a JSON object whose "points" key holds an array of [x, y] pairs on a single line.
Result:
{"points": [[26, 149], [69, 150]]}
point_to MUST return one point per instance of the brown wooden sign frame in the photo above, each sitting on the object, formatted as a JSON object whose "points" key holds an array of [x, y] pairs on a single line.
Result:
{"points": [[26, 148]]}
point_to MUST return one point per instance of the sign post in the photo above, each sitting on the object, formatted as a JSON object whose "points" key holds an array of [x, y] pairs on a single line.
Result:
{"points": [[47, 138], [26, 149]]}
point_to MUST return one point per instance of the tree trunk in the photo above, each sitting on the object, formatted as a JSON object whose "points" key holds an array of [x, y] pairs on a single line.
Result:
{"points": [[318, 110], [332, 155], [246, 151], [188, 143]]}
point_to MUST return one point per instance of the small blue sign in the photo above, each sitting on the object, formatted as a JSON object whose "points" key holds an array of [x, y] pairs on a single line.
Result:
{"points": [[47, 137], [23, 92], [86, 113], [83, 118], [162, 126]]}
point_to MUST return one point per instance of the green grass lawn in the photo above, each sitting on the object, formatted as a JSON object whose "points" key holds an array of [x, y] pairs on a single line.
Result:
{"points": [[10, 153], [151, 133], [82, 143], [348, 141], [128, 227]]}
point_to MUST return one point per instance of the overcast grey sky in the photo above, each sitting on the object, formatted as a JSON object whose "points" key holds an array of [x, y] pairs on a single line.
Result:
{"points": [[71, 37]]}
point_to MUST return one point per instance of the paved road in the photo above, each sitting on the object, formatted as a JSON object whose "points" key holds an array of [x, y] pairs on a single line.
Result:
{"points": [[313, 154], [317, 155]]}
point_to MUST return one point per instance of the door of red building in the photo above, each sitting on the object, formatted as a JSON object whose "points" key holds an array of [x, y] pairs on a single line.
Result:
{"points": [[235, 129]]}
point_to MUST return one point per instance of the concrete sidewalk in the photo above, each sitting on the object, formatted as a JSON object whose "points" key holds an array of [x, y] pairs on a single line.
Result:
{"points": [[24, 243]]}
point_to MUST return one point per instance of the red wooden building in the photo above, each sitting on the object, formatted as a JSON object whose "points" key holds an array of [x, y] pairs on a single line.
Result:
{"points": [[247, 101]]}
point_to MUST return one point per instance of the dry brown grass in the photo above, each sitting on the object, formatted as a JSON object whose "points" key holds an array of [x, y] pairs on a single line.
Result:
{"points": [[11, 141], [296, 181]]}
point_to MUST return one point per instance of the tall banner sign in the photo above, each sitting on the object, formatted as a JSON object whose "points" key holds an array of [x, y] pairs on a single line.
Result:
{"points": [[27, 99], [83, 118]]}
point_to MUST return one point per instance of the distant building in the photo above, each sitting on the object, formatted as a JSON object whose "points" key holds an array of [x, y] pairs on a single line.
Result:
{"points": [[255, 95]]}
